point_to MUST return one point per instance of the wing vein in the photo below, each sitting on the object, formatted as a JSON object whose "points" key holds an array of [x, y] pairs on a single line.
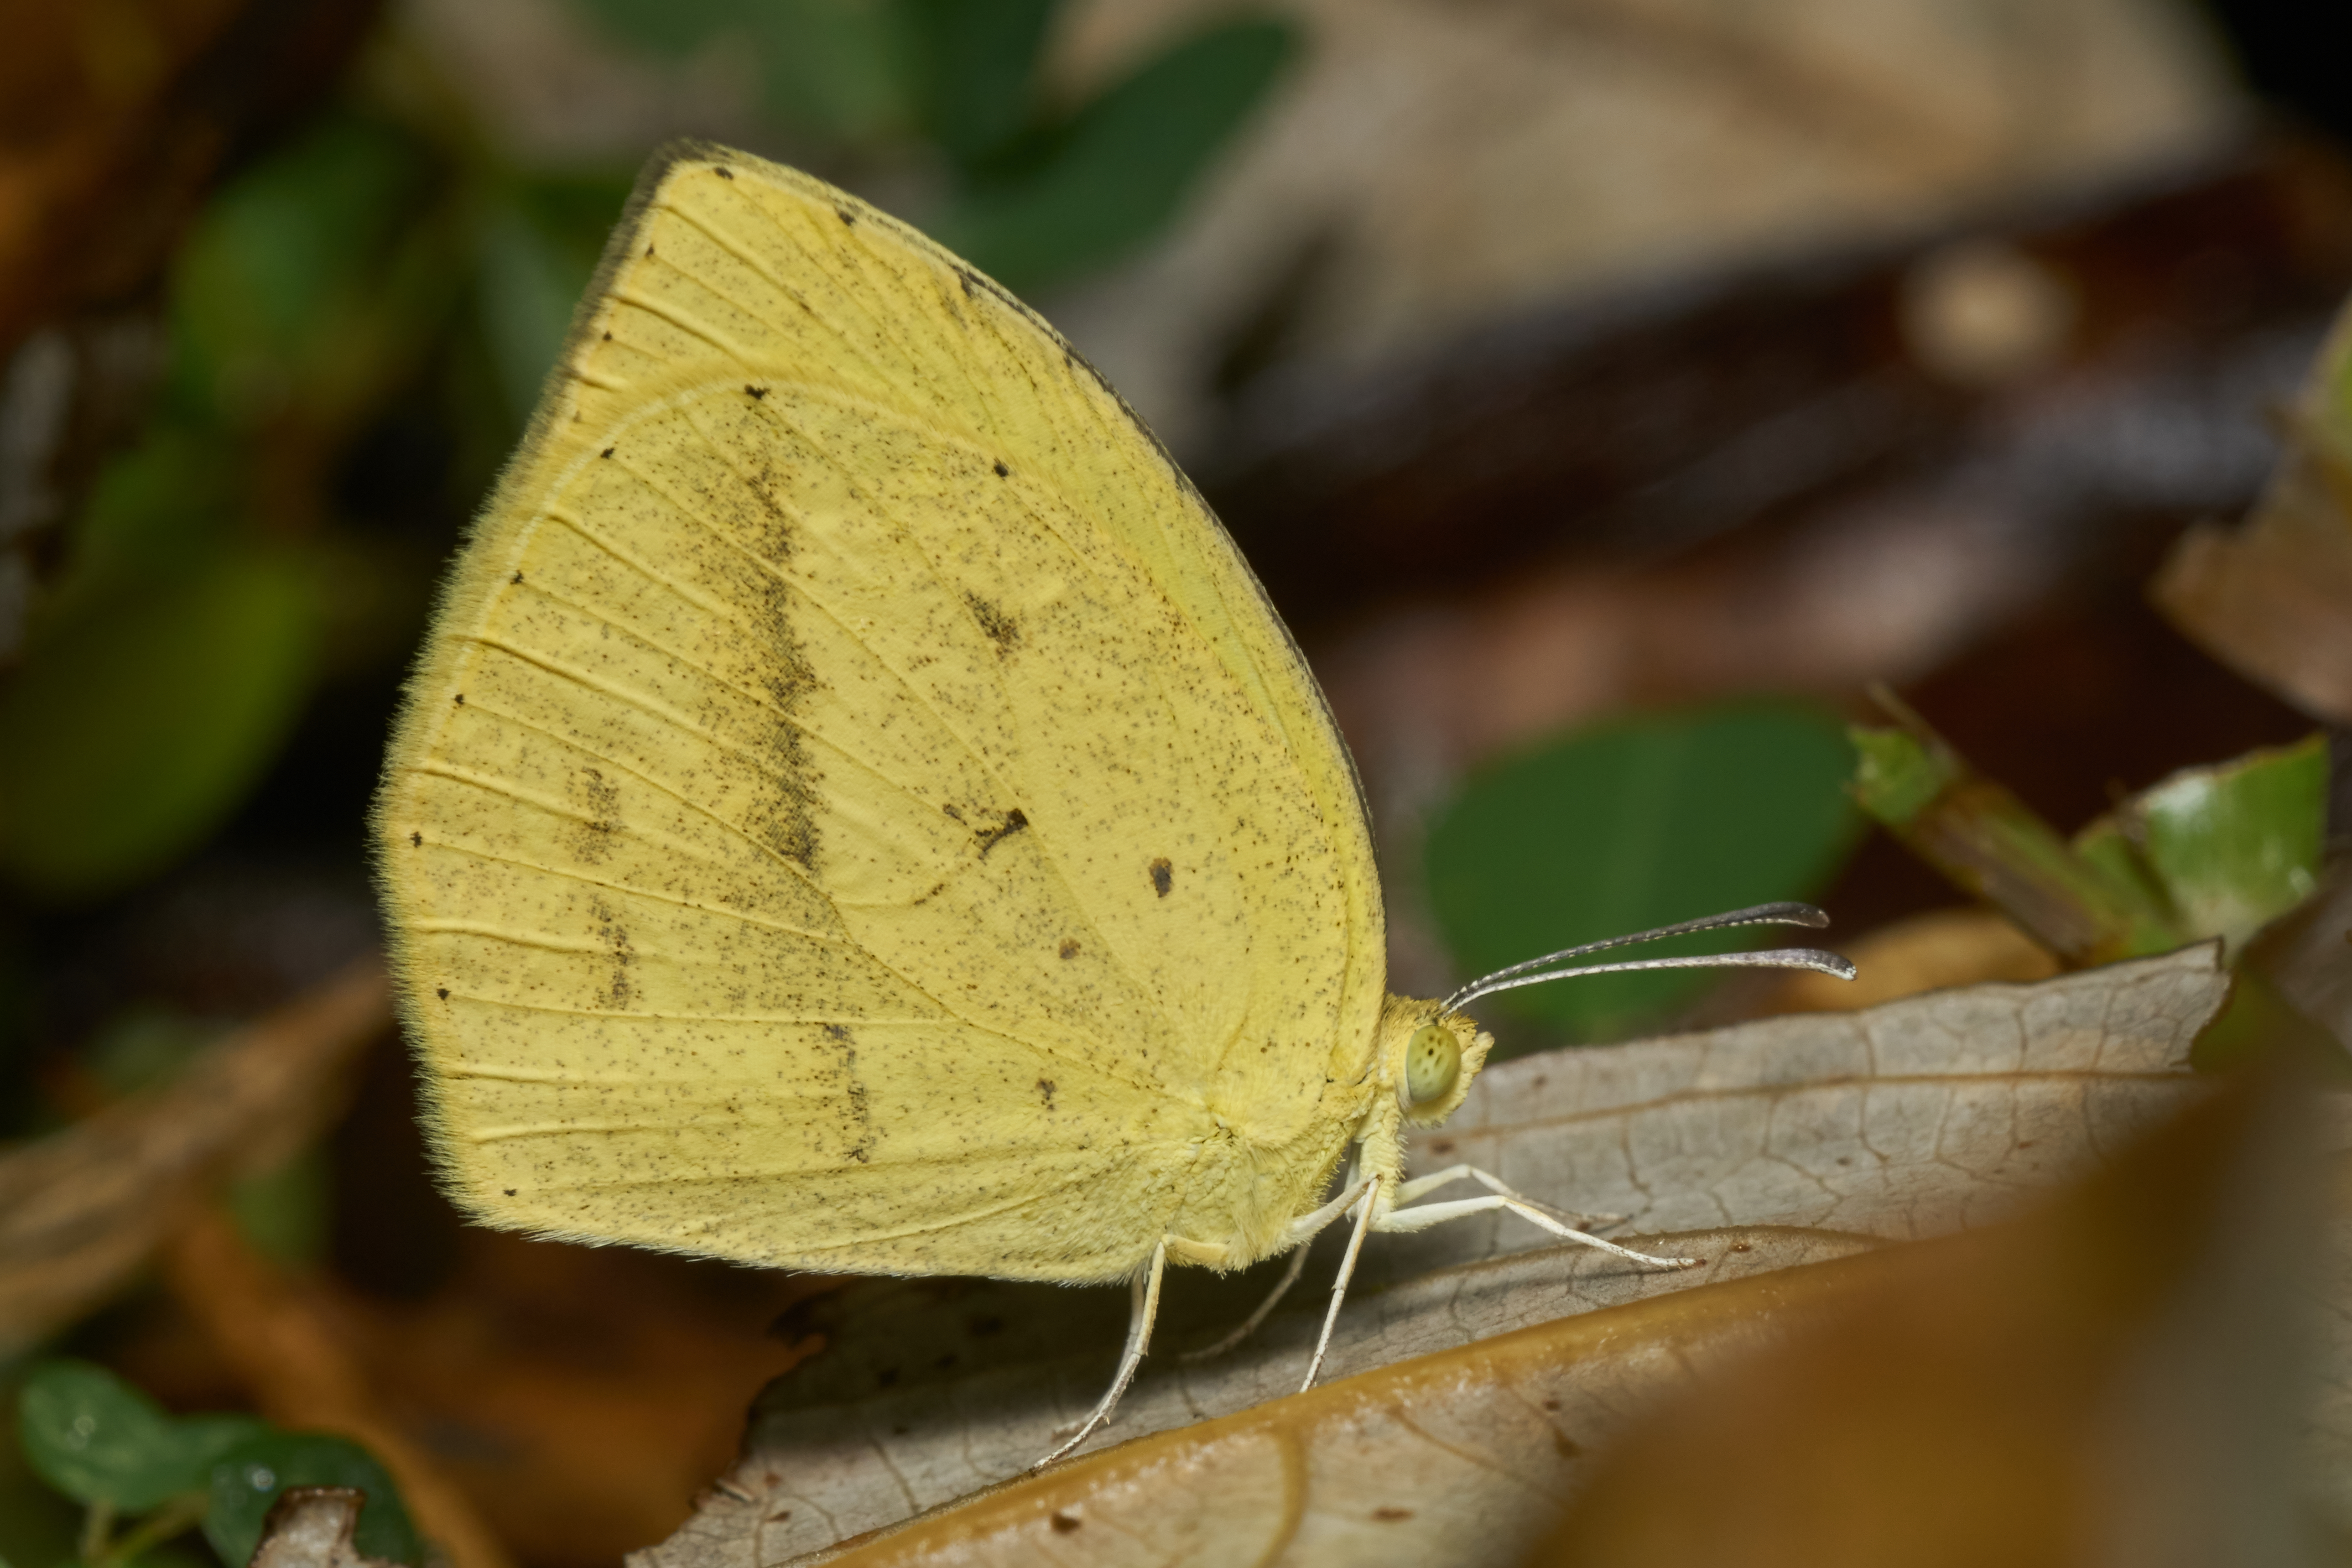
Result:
{"points": [[774, 280], [631, 890], [750, 755], [862, 1020], [682, 320]]}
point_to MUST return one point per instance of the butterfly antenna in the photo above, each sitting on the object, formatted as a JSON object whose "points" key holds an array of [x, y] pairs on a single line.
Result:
{"points": [[1536, 971]]}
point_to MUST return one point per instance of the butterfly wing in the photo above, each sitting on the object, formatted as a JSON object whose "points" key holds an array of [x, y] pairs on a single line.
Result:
{"points": [[855, 810]]}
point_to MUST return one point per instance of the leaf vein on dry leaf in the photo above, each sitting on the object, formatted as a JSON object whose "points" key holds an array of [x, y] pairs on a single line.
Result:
{"points": [[1471, 1457]]}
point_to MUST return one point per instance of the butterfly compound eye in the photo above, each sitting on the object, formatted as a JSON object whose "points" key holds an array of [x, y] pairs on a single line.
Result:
{"points": [[1433, 1060]]}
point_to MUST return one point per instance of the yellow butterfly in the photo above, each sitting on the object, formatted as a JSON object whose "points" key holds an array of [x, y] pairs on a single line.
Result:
{"points": [[856, 811]]}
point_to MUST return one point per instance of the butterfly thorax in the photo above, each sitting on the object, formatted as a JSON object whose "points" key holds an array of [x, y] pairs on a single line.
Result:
{"points": [[1242, 1195]]}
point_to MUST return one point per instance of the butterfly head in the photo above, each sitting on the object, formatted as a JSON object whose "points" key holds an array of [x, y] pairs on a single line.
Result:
{"points": [[1431, 1054]]}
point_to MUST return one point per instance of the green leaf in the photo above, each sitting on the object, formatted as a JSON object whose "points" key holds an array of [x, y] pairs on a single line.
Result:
{"points": [[210, 1437], [1895, 774], [979, 70], [674, 28], [248, 1477], [1121, 171], [2108, 850], [132, 730], [1635, 824], [286, 1211], [157, 511], [99, 1440], [2090, 901], [835, 68], [2237, 844], [528, 283], [281, 259]]}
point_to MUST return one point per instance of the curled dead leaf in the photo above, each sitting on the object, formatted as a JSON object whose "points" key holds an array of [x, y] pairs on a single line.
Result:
{"points": [[1762, 1149], [2120, 1377]]}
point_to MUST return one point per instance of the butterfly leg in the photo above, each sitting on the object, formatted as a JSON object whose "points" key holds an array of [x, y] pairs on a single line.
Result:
{"points": [[1303, 1230], [1308, 1227], [1402, 1221], [1249, 1324], [1144, 1307], [1421, 1186], [1372, 1205]]}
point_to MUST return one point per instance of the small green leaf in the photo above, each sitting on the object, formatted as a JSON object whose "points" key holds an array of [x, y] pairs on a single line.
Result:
{"points": [[157, 511], [834, 69], [1895, 774], [2108, 850], [527, 284], [1631, 825], [285, 1211], [1121, 171], [842, 70], [979, 70], [130, 731], [248, 1477], [281, 258], [206, 1438], [2237, 844], [2089, 903], [99, 1440], [674, 28]]}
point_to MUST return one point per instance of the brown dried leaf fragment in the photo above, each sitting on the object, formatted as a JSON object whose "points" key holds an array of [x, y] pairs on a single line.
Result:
{"points": [[2272, 597], [313, 1527], [82, 1209]]}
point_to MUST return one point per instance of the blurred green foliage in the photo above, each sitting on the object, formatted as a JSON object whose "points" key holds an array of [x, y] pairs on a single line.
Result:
{"points": [[388, 263], [140, 723], [247, 1477], [99, 1440], [144, 1477], [1039, 192], [2219, 850], [2215, 851], [1633, 824], [2237, 844]]}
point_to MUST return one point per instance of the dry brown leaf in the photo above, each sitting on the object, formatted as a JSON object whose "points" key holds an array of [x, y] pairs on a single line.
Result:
{"points": [[2119, 1378], [82, 1209], [1477, 159], [2272, 597], [1787, 1142], [1461, 1457], [580, 1396]]}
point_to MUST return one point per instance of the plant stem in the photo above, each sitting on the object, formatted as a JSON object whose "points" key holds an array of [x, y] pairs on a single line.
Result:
{"points": [[181, 1513], [96, 1526]]}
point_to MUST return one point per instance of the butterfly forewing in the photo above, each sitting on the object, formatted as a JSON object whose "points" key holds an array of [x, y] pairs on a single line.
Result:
{"points": [[857, 810]]}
